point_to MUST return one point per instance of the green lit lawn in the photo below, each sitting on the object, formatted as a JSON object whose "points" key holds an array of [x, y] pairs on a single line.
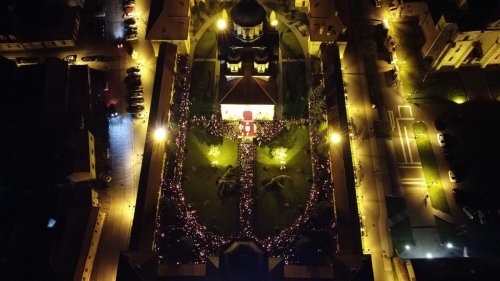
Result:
{"points": [[289, 45], [294, 90], [202, 87], [200, 188], [206, 46], [431, 172], [401, 235], [271, 212]]}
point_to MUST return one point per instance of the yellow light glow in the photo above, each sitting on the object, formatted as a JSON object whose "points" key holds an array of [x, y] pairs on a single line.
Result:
{"points": [[221, 24], [160, 134], [335, 138], [135, 55], [459, 99], [385, 21], [274, 22]]}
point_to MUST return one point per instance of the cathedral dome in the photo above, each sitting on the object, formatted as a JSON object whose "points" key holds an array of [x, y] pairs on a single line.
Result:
{"points": [[248, 13]]}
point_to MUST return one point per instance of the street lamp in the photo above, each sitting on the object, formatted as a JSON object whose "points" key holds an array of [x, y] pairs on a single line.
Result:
{"points": [[449, 245], [160, 134], [221, 24], [335, 137]]}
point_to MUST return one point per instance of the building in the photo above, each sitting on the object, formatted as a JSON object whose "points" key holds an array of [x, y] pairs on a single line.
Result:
{"points": [[325, 25], [248, 55], [457, 33], [169, 22], [84, 168], [28, 27]]}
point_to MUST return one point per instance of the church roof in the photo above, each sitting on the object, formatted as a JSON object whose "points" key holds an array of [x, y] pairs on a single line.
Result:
{"points": [[248, 13], [247, 90]]}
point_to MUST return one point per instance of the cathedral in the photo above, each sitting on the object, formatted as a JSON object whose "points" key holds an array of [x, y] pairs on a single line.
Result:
{"points": [[248, 52]]}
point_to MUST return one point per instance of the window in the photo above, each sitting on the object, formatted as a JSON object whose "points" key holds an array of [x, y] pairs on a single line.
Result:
{"points": [[53, 43], [63, 42], [450, 59], [466, 37], [93, 166]]}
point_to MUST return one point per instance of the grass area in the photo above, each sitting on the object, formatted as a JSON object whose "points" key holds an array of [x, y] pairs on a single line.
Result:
{"points": [[294, 90], [207, 45], [200, 187], [429, 166], [401, 235], [202, 90], [277, 209], [448, 233], [438, 88], [395, 205], [289, 45]]}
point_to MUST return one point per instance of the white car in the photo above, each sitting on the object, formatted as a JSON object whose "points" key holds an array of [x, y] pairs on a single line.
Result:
{"points": [[128, 15], [440, 139], [452, 176]]}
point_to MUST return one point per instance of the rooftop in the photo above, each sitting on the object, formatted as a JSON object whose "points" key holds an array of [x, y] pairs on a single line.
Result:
{"points": [[168, 20]]}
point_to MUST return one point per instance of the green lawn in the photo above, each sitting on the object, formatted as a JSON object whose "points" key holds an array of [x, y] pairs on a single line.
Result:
{"points": [[202, 87], [272, 213], [289, 45], [429, 166], [207, 45], [401, 235], [294, 90], [200, 187], [395, 205]]}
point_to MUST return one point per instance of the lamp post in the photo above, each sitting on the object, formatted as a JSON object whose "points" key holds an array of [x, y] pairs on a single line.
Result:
{"points": [[160, 134]]}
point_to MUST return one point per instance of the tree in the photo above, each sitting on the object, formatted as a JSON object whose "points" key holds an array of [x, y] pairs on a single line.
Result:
{"points": [[278, 182], [317, 105], [227, 184]]}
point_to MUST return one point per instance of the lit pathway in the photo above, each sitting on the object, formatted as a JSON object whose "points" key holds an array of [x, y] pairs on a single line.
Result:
{"points": [[246, 162]]}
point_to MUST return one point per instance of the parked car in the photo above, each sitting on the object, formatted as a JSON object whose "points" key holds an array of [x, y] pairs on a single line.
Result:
{"points": [[105, 177], [129, 10], [133, 83], [132, 100], [452, 176], [126, 4], [135, 108], [128, 16], [134, 74], [131, 37], [129, 22], [136, 89], [70, 58], [27, 59], [440, 139], [136, 95], [89, 58], [105, 58], [130, 30], [133, 69], [111, 111], [377, 3], [133, 79], [138, 115]]}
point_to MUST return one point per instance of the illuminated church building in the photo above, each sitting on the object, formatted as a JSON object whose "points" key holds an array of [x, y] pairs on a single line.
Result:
{"points": [[248, 54]]}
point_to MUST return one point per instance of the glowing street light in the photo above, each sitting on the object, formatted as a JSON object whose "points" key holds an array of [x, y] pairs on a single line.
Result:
{"points": [[449, 245], [428, 255], [407, 247], [385, 21], [274, 22], [160, 134], [221, 24], [335, 137]]}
